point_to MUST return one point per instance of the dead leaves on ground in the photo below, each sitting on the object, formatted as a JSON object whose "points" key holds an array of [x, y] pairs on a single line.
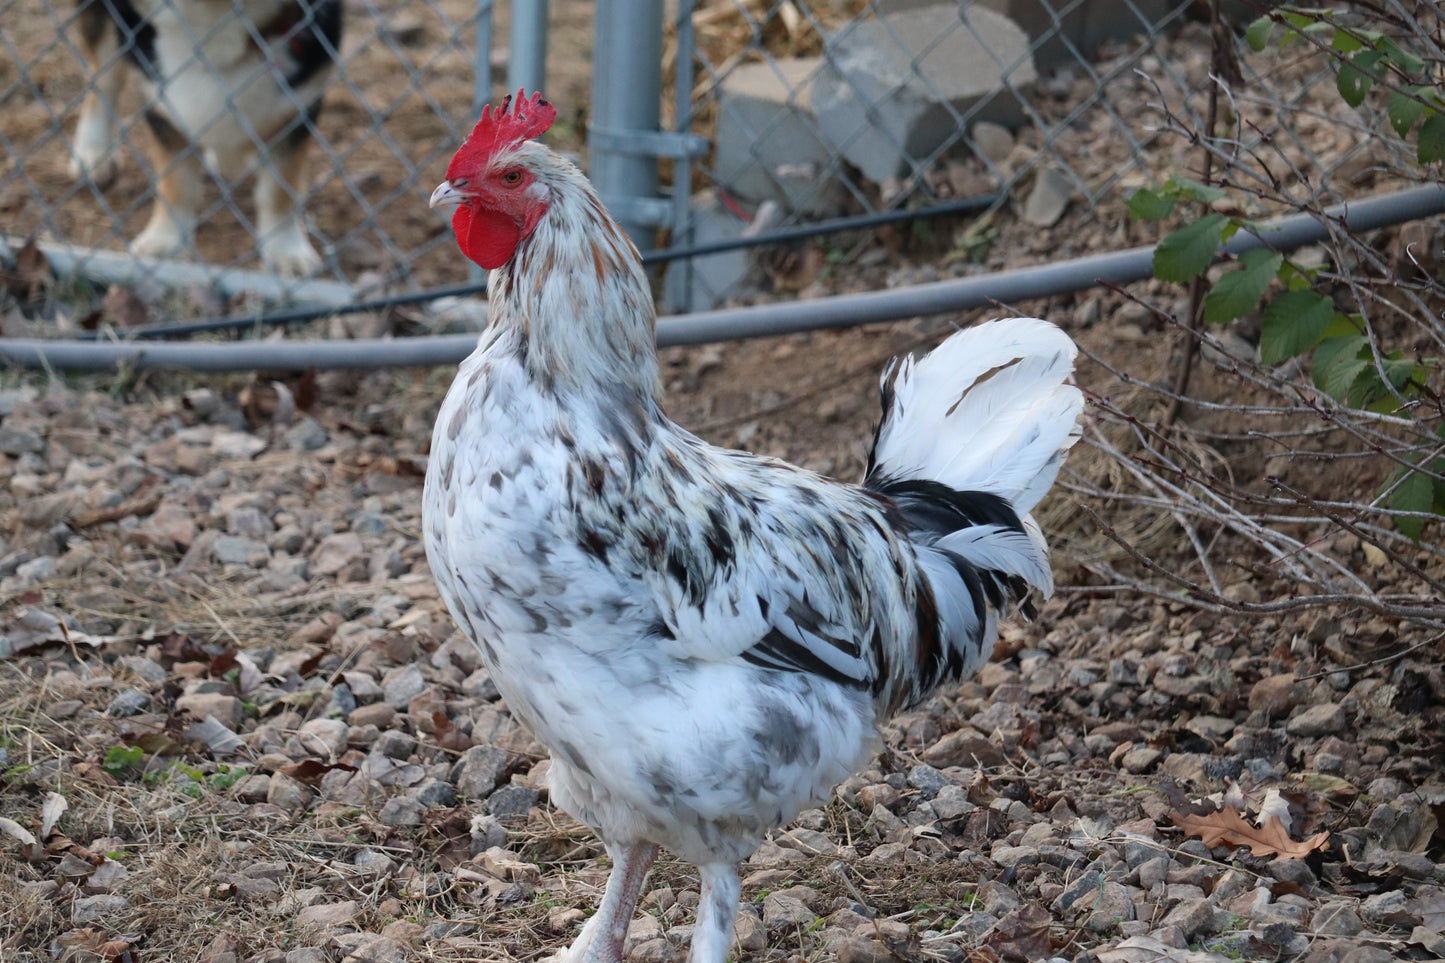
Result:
{"points": [[1229, 827]]}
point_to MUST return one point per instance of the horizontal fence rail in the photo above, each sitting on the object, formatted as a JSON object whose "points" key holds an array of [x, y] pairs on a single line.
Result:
{"points": [[1022, 285]]}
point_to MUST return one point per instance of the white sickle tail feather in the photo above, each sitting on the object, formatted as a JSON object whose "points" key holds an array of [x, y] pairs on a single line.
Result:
{"points": [[972, 436]]}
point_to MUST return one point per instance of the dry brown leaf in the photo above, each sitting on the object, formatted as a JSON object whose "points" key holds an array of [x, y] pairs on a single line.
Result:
{"points": [[31, 273], [1230, 827], [50, 813], [1022, 933], [123, 308]]}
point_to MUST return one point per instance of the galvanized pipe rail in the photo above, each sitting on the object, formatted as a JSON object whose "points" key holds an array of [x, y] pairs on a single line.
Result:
{"points": [[1023, 284]]}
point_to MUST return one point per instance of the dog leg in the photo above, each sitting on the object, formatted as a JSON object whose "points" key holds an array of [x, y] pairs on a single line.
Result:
{"points": [[284, 246], [92, 152], [179, 170]]}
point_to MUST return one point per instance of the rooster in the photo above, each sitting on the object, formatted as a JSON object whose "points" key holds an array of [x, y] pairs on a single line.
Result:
{"points": [[706, 639]]}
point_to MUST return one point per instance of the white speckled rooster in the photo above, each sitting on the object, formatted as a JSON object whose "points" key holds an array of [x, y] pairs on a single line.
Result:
{"points": [[706, 638]]}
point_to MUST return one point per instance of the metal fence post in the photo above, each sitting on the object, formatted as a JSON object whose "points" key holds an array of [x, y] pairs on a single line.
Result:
{"points": [[527, 50], [627, 99]]}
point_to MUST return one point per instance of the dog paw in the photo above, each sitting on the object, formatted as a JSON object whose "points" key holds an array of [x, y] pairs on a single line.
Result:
{"points": [[99, 171], [287, 252], [158, 240]]}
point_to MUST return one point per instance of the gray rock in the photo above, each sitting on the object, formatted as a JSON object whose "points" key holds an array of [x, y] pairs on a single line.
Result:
{"points": [[926, 779], [401, 685], [237, 445], [1213, 728], [395, 744], [145, 669], [785, 912], [368, 523], [36, 570], [336, 552], [401, 811], [377, 714], [227, 709], [1388, 909], [487, 832], [715, 278], [128, 702], [1153, 872], [307, 954], [511, 801], [16, 443], [250, 522], [1048, 198], [892, 86], [1193, 917], [363, 686], [88, 909], [479, 685], [239, 550], [287, 793], [322, 738], [1111, 905], [306, 435], [768, 146], [435, 792], [1317, 720], [342, 701], [993, 142]]}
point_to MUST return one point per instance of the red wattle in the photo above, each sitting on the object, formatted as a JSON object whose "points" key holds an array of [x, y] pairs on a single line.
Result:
{"points": [[486, 237]]}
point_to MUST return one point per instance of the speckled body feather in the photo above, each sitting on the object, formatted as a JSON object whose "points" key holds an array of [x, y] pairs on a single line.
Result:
{"points": [[705, 638]]}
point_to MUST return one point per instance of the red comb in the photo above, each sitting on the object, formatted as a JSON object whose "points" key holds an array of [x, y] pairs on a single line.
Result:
{"points": [[519, 118]]}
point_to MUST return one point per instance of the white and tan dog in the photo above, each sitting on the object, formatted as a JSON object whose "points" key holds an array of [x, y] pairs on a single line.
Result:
{"points": [[229, 80]]}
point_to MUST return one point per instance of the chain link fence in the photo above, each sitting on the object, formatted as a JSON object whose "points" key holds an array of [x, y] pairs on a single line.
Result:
{"points": [[817, 109], [799, 111], [239, 140]]}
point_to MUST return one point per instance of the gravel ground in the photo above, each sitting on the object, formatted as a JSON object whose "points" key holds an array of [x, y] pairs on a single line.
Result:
{"points": [[236, 724]]}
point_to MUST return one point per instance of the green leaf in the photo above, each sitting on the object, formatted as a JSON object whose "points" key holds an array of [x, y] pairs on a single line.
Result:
{"points": [[1343, 326], [1398, 368], [1357, 76], [1337, 364], [1145, 205], [1257, 34], [1401, 57], [1238, 292], [1345, 42], [1430, 143], [1189, 187], [1292, 324], [120, 758], [1416, 493], [1188, 252], [1405, 111]]}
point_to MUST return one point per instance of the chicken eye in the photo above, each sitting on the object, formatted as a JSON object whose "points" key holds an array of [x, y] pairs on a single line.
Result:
{"points": [[512, 177]]}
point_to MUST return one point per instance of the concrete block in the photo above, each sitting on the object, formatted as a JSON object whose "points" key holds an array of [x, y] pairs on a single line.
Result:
{"points": [[713, 278], [767, 146], [885, 90], [1049, 23]]}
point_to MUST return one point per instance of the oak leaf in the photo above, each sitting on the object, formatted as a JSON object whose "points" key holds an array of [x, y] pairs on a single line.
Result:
{"points": [[1228, 826]]}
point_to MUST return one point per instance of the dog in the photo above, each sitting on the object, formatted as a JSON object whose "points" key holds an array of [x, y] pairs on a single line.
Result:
{"points": [[221, 77]]}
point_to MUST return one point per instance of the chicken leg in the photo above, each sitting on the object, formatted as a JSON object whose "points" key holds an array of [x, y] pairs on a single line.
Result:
{"points": [[713, 935], [602, 937]]}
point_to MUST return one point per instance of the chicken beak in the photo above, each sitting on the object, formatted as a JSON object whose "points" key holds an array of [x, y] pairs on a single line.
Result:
{"points": [[446, 196]]}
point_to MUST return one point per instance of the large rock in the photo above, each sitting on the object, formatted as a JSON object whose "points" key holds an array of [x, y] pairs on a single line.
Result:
{"points": [[1062, 32], [768, 145], [708, 281], [894, 87]]}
